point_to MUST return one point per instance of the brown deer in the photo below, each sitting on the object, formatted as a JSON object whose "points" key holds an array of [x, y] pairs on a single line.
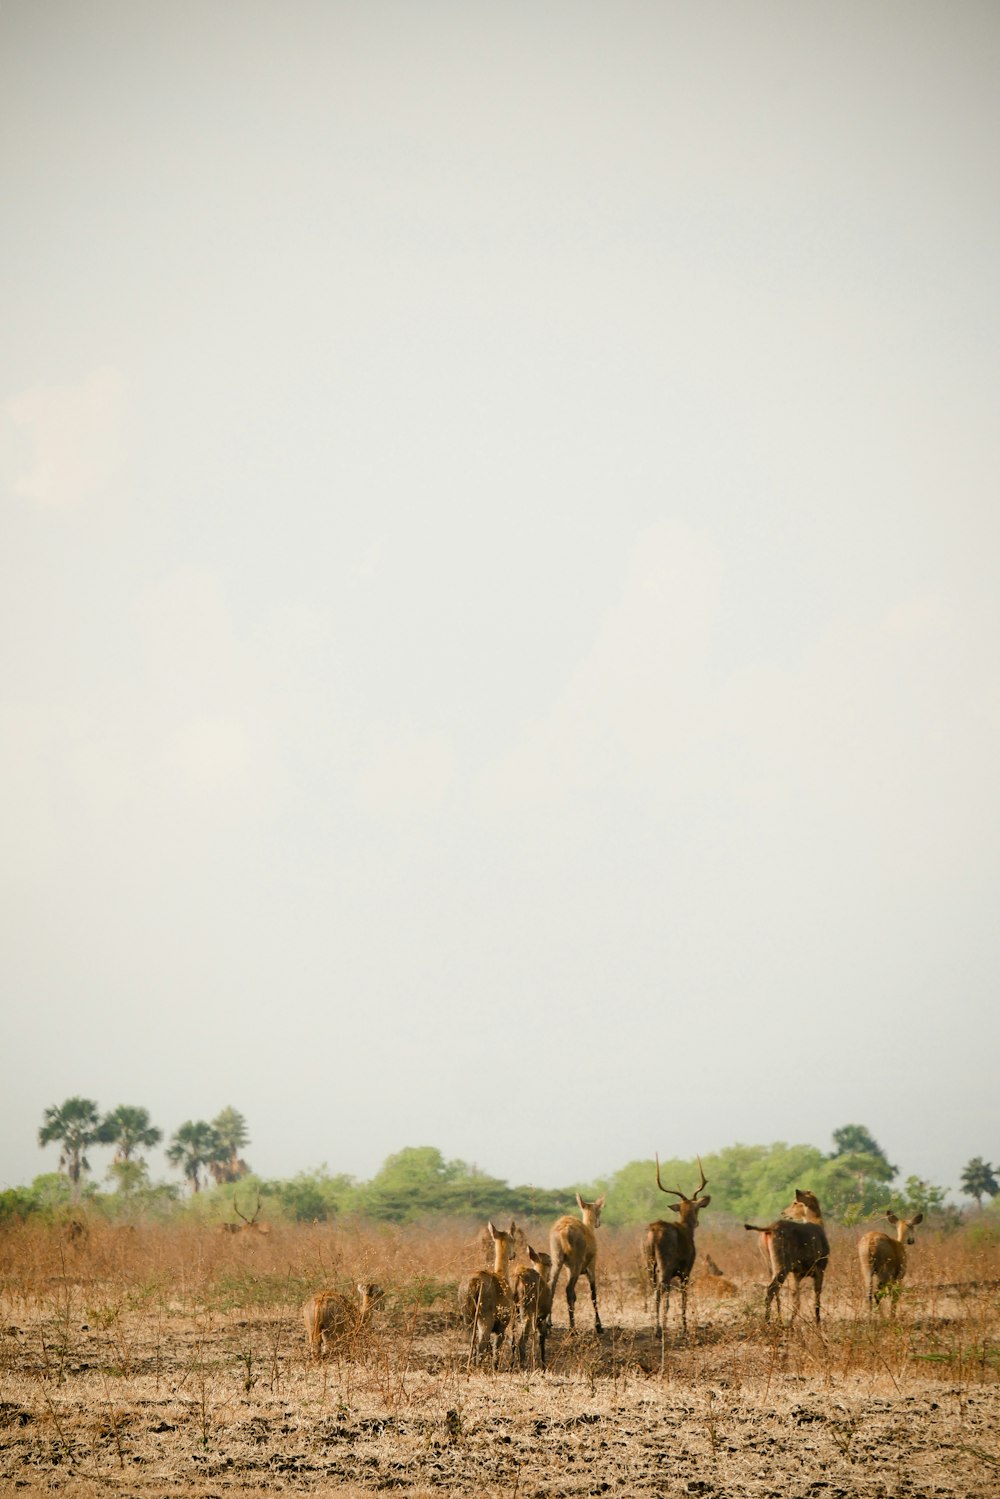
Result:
{"points": [[335, 1321], [883, 1259], [486, 1300], [574, 1244], [797, 1248], [247, 1225], [669, 1247], [711, 1281], [532, 1305]]}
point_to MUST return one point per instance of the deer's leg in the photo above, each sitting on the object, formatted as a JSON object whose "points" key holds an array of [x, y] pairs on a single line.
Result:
{"points": [[818, 1290], [772, 1291], [593, 1296], [571, 1300], [684, 1304]]}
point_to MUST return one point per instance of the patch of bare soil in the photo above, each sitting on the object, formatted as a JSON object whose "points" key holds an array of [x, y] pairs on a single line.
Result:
{"points": [[146, 1401]]}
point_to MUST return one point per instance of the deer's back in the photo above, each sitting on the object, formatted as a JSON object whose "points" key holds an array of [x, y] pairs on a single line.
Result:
{"points": [[572, 1242], [798, 1248], [669, 1249], [882, 1256]]}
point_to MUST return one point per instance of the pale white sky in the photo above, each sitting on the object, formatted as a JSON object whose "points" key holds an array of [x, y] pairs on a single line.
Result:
{"points": [[500, 563]]}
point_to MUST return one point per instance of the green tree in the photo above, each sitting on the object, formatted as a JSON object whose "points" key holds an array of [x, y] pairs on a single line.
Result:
{"points": [[979, 1180], [856, 1139], [231, 1130], [76, 1125], [128, 1128], [193, 1145]]}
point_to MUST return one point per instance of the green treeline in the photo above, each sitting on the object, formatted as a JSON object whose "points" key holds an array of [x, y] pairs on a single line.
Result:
{"points": [[747, 1183]]}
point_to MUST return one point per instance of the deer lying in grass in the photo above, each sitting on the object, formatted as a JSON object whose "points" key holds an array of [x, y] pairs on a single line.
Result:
{"points": [[532, 1305], [669, 1247], [883, 1259], [486, 1299], [711, 1281], [797, 1248], [334, 1321], [574, 1244]]}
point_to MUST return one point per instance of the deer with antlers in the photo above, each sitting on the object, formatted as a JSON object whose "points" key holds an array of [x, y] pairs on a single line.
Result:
{"points": [[669, 1247], [883, 1259], [574, 1244], [798, 1249], [334, 1322], [532, 1305], [486, 1299]]}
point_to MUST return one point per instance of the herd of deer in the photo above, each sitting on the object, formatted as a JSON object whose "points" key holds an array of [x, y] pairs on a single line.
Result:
{"points": [[496, 1301]]}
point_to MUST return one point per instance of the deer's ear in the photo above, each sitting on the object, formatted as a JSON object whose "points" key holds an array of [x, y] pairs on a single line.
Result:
{"points": [[891, 1216], [579, 1202], [533, 1256], [674, 1207], [918, 1219], [600, 1202], [703, 1202]]}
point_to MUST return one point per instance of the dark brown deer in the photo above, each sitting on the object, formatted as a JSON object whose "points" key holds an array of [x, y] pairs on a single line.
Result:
{"points": [[669, 1247], [334, 1321], [574, 1244], [532, 1305], [883, 1259], [486, 1300], [797, 1249]]}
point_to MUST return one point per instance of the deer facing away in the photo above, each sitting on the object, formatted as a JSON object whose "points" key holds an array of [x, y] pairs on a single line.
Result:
{"points": [[669, 1247], [334, 1321], [486, 1300], [532, 1305], [797, 1248], [574, 1244], [883, 1259]]}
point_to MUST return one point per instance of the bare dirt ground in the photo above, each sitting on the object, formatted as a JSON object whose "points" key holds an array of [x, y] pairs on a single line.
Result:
{"points": [[142, 1373]]}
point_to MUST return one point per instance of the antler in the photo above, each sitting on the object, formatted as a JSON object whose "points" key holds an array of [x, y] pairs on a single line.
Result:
{"points": [[704, 1182], [671, 1190], [236, 1210]]}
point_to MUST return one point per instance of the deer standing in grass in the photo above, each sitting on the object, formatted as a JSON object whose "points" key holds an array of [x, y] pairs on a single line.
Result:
{"points": [[883, 1259], [486, 1299], [532, 1305], [574, 1244], [797, 1248], [669, 1247], [334, 1321]]}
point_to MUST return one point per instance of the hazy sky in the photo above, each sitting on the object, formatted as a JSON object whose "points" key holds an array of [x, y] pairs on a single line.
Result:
{"points": [[500, 562]]}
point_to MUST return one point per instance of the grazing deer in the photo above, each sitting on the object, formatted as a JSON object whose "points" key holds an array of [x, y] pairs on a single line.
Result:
{"points": [[883, 1259], [574, 1244], [486, 1300], [669, 1247], [532, 1304], [798, 1248], [334, 1321]]}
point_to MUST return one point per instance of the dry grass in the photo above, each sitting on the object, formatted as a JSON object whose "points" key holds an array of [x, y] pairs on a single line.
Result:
{"points": [[174, 1359]]}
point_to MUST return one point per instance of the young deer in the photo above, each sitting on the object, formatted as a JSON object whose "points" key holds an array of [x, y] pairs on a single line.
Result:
{"points": [[532, 1305], [334, 1321], [797, 1248], [574, 1244], [669, 1247], [883, 1259], [486, 1300]]}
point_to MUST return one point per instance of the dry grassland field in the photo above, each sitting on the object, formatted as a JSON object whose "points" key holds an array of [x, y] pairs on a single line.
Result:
{"points": [[173, 1360]]}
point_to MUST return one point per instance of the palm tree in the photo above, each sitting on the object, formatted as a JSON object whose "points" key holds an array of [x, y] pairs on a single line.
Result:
{"points": [[127, 1128], [76, 1125], [979, 1180], [231, 1130], [193, 1145]]}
